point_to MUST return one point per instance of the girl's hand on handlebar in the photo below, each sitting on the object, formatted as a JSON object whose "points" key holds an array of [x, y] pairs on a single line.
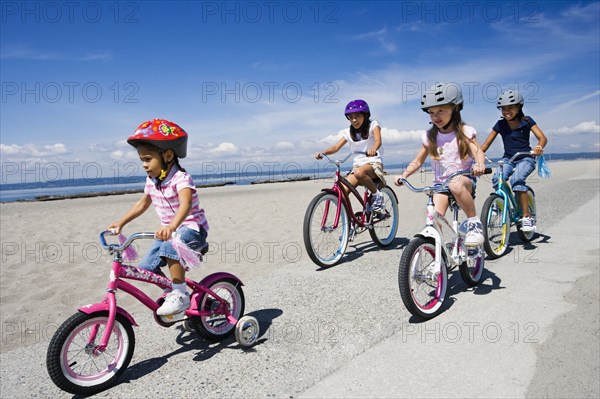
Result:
{"points": [[538, 150], [478, 169], [398, 180], [371, 153], [114, 228], [318, 155], [163, 233]]}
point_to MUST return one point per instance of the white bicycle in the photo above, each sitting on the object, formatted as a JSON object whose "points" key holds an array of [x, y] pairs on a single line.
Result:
{"points": [[438, 248]]}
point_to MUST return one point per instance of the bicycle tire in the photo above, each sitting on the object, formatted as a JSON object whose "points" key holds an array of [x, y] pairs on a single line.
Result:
{"points": [[325, 245], [527, 236], [385, 224], [472, 269], [71, 363], [495, 233], [423, 290], [216, 326]]}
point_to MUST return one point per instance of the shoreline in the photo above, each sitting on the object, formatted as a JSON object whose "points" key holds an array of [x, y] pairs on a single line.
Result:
{"points": [[94, 194]]}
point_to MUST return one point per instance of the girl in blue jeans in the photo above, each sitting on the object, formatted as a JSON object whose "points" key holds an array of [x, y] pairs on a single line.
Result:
{"points": [[515, 129]]}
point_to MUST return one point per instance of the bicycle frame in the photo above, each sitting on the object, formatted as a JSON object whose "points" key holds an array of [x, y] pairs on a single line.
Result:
{"points": [[120, 271], [513, 209], [338, 190], [509, 212], [433, 230], [434, 222]]}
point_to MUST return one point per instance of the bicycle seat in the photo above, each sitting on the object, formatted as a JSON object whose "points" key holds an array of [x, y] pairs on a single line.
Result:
{"points": [[451, 197]]}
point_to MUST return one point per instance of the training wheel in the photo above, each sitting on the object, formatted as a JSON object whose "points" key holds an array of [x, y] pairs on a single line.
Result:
{"points": [[246, 331]]}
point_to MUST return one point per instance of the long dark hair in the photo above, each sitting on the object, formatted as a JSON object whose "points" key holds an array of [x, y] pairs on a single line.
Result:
{"points": [[363, 130]]}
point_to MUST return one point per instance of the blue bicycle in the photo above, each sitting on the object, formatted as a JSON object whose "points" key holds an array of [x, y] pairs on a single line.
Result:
{"points": [[500, 211]]}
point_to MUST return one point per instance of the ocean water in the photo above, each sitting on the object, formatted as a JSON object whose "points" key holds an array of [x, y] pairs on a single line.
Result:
{"points": [[29, 191], [65, 188]]}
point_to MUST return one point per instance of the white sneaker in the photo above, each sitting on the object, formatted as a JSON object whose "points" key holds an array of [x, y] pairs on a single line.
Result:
{"points": [[474, 237], [527, 224], [175, 302], [377, 202]]}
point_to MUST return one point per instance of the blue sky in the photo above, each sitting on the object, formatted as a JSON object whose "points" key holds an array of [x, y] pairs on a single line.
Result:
{"points": [[265, 83]]}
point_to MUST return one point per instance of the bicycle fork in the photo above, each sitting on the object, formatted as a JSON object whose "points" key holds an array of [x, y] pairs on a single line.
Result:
{"points": [[432, 231]]}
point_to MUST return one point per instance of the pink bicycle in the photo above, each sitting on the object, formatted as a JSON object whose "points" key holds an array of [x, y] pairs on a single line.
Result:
{"points": [[92, 349]]}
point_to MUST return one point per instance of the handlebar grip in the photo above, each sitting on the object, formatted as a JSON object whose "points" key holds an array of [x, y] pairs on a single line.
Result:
{"points": [[488, 171], [103, 242]]}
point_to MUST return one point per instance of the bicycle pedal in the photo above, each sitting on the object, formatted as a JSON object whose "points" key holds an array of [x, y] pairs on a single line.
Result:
{"points": [[174, 317]]}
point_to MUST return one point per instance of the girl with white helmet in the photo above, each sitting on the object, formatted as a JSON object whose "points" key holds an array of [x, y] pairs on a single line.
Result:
{"points": [[363, 135], [451, 146], [515, 129], [170, 189]]}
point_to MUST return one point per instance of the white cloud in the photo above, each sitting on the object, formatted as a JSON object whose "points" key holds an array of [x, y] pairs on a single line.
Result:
{"points": [[394, 136], [117, 154], [27, 53], [331, 139], [583, 127], [577, 100], [99, 148], [381, 36], [224, 149], [32, 150], [284, 145]]}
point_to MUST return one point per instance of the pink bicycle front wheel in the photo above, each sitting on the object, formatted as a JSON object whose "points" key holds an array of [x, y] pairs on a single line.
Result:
{"points": [[73, 362], [423, 287]]}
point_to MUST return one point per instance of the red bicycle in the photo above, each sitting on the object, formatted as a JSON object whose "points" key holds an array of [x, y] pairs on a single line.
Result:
{"points": [[330, 221]]}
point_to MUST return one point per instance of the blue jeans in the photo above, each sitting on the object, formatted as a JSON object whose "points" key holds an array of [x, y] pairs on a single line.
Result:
{"points": [[160, 250], [517, 172]]}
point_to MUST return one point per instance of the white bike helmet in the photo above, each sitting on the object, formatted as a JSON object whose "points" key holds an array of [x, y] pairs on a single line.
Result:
{"points": [[442, 94], [510, 97]]}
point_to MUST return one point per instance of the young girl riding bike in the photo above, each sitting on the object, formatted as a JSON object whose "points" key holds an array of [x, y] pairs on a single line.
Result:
{"points": [[515, 129], [452, 146], [363, 135], [160, 144]]}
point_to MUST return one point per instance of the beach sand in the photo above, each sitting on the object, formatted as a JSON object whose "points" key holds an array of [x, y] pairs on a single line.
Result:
{"points": [[51, 262]]}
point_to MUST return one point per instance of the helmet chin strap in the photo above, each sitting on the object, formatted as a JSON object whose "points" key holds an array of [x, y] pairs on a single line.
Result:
{"points": [[163, 171]]}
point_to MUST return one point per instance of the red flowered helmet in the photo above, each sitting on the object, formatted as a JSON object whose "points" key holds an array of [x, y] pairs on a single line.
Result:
{"points": [[163, 134]]}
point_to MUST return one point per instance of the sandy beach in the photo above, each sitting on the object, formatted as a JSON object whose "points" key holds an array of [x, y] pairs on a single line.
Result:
{"points": [[51, 264]]}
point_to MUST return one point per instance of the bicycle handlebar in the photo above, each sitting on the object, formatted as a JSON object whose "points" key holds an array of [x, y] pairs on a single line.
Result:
{"points": [[121, 247], [518, 154], [346, 158], [444, 184]]}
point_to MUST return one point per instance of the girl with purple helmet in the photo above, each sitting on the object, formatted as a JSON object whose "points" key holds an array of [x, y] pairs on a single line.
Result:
{"points": [[364, 136], [515, 129]]}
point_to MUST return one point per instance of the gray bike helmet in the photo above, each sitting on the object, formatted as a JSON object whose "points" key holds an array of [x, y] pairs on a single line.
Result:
{"points": [[442, 94], [510, 97]]}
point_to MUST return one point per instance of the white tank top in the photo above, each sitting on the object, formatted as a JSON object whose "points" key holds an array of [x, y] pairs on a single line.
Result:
{"points": [[363, 145]]}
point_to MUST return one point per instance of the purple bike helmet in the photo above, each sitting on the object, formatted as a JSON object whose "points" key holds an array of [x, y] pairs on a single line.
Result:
{"points": [[357, 106]]}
